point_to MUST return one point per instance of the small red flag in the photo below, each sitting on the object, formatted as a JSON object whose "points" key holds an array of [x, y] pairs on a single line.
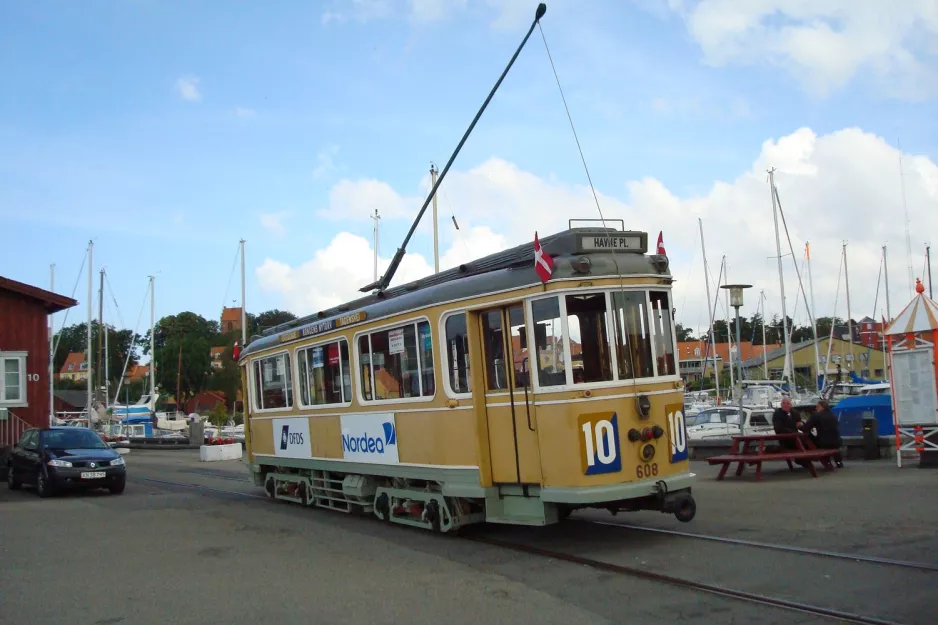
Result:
{"points": [[661, 244], [543, 262]]}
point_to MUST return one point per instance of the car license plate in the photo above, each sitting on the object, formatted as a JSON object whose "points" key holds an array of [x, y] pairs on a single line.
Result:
{"points": [[91, 475]]}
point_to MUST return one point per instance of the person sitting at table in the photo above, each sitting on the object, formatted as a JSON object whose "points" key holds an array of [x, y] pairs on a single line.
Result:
{"points": [[828, 430], [784, 421]]}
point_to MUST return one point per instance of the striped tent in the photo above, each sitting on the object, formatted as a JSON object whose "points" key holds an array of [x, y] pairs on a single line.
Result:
{"points": [[921, 315], [913, 378]]}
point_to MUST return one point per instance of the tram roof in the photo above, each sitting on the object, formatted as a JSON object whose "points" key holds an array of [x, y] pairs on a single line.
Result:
{"points": [[506, 270]]}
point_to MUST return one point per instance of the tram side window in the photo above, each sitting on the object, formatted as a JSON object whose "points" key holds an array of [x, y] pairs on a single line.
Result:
{"points": [[661, 329], [548, 332], [323, 373], [492, 337], [633, 339], [457, 354], [589, 338], [389, 360], [273, 384]]}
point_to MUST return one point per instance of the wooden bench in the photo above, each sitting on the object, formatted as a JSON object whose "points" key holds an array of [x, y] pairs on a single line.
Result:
{"points": [[823, 456], [742, 455]]}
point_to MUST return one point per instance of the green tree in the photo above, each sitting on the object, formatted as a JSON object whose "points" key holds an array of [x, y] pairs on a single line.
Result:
{"points": [[193, 353], [683, 334], [227, 379], [185, 325], [74, 339], [218, 415]]}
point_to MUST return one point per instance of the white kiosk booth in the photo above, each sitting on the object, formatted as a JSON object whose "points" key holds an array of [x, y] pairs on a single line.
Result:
{"points": [[913, 337]]}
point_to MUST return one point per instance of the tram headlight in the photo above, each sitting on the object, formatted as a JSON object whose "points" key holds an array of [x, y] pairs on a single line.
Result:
{"points": [[635, 435], [647, 452], [657, 432], [581, 264], [644, 406]]}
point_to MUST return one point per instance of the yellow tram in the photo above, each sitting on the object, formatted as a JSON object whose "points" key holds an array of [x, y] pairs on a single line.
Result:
{"points": [[481, 393]]}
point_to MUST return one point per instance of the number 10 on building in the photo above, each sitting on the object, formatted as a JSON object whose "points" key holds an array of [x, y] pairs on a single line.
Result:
{"points": [[599, 443]]}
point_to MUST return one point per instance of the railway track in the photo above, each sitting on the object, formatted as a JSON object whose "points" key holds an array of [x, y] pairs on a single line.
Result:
{"points": [[720, 591], [642, 573], [821, 553]]}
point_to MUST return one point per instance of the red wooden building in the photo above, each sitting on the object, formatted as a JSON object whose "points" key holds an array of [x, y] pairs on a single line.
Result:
{"points": [[24, 356]]}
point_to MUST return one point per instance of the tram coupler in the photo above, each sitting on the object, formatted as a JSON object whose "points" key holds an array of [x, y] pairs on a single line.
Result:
{"points": [[679, 503]]}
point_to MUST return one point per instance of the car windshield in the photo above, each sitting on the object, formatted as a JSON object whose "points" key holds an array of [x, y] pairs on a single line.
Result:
{"points": [[76, 438]]}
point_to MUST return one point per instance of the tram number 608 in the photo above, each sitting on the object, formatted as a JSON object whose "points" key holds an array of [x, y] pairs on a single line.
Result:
{"points": [[646, 470]]}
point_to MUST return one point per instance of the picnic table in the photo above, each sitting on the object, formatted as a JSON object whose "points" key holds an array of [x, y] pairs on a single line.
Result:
{"points": [[805, 453]]}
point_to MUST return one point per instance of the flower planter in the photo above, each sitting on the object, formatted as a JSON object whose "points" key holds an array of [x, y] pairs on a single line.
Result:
{"points": [[212, 453]]}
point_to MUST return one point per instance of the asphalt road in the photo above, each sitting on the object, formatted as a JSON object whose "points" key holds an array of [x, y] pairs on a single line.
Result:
{"points": [[164, 553]]}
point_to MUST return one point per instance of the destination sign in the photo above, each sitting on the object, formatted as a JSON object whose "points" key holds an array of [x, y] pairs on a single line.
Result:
{"points": [[323, 326], [635, 242]]}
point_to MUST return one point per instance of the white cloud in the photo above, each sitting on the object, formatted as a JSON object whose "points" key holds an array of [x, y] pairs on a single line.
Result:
{"points": [[357, 200], [273, 222], [429, 11], [334, 275], [244, 113], [508, 14], [188, 88], [823, 43], [324, 162], [836, 187]]}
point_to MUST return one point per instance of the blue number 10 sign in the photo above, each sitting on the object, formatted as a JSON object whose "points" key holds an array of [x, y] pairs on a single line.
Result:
{"points": [[599, 443], [677, 434]]}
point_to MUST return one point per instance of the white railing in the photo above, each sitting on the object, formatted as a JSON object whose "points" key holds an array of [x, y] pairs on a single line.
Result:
{"points": [[11, 427]]}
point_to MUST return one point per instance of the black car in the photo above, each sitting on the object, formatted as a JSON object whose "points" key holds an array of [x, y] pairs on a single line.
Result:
{"points": [[65, 457]]}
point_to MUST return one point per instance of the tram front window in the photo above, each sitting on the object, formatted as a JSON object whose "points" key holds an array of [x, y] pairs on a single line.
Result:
{"points": [[549, 349], [633, 339], [589, 338], [662, 331]]}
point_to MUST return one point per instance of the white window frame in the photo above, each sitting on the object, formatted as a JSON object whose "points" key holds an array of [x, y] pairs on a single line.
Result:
{"points": [[445, 355], [414, 322], [19, 357], [296, 357], [617, 380], [288, 359]]}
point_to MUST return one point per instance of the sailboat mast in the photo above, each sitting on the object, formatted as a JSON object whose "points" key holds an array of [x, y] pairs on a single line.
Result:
{"points": [[817, 354], [101, 327], [376, 217], [765, 361], [849, 315], [886, 275], [931, 292], [152, 344], [244, 313], [729, 340], [88, 360], [781, 278], [52, 350], [703, 250]]}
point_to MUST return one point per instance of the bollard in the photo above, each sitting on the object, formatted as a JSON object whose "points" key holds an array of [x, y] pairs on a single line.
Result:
{"points": [[870, 438]]}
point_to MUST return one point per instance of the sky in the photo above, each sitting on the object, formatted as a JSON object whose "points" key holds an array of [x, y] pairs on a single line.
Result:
{"points": [[166, 132]]}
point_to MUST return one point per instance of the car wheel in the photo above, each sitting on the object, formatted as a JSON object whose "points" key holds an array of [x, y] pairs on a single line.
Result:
{"points": [[12, 482], [43, 487], [118, 487]]}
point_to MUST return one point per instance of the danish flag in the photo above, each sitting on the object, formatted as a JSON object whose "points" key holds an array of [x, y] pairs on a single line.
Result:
{"points": [[543, 262], [661, 244]]}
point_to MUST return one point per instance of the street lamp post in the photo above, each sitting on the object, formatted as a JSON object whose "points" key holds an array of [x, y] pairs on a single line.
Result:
{"points": [[736, 301]]}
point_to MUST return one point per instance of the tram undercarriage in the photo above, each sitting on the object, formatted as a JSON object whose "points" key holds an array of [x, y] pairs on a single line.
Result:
{"points": [[422, 504]]}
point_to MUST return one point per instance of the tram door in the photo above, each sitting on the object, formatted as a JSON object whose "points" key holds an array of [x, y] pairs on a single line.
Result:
{"points": [[512, 426]]}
